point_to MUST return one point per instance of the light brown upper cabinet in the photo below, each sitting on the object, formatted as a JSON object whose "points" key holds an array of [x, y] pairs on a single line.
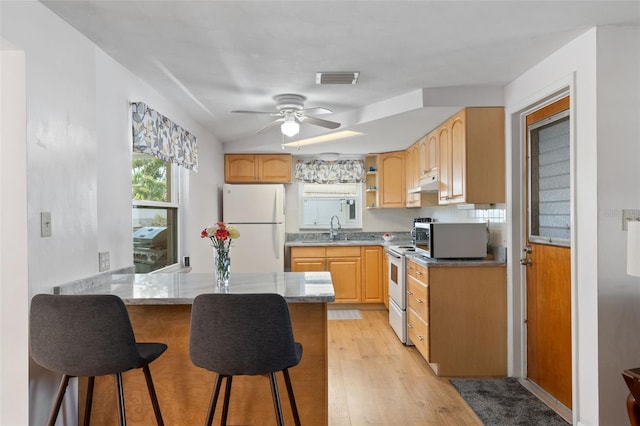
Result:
{"points": [[471, 157], [429, 154], [412, 173], [257, 168], [392, 188]]}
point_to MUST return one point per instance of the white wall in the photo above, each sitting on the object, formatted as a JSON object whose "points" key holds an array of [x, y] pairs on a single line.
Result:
{"points": [[78, 162], [14, 294], [605, 119]]}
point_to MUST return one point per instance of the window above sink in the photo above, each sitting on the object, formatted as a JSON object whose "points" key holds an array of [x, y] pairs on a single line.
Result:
{"points": [[320, 202]]}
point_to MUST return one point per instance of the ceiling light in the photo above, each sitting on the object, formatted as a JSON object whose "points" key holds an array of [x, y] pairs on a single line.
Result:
{"points": [[324, 138], [290, 127]]}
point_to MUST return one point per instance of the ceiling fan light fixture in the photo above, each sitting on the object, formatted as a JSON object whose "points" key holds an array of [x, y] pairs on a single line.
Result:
{"points": [[290, 128]]}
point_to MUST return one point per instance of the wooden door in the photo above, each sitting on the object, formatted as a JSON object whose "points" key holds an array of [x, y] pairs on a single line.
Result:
{"points": [[371, 274], [345, 274], [444, 164], [548, 250], [431, 153], [239, 168], [392, 191], [274, 168], [458, 158]]}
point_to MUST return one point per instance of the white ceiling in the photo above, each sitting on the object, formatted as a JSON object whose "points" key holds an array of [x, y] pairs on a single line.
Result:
{"points": [[419, 60]]}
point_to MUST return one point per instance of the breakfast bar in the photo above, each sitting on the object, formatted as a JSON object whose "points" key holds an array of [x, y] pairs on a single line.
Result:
{"points": [[159, 306]]}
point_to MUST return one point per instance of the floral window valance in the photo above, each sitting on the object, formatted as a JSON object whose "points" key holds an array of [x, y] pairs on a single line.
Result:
{"points": [[340, 171], [155, 134]]}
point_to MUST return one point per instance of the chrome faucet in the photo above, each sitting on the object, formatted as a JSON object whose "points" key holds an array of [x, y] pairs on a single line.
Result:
{"points": [[333, 232]]}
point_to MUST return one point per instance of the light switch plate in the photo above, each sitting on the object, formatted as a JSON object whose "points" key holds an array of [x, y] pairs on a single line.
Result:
{"points": [[103, 261], [629, 214], [45, 224]]}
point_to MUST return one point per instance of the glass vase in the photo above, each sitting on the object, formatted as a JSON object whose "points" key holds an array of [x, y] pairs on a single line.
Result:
{"points": [[222, 264]]}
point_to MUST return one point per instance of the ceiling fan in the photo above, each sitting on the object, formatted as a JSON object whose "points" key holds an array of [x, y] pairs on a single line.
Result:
{"points": [[291, 113]]}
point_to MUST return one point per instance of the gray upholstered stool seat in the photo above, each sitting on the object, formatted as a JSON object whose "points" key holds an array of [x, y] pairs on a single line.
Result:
{"points": [[244, 334], [88, 335]]}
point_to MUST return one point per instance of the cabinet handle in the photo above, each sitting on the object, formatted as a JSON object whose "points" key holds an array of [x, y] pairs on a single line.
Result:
{"points": [[418, 300], [409, 325], [420, 337], [409, 293], [418, 273]]}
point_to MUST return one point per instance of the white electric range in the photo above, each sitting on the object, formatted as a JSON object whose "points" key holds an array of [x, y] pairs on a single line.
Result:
{"points": [[398, 291]]}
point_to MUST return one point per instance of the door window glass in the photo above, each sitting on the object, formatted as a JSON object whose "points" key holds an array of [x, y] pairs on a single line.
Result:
{"points": [[549, 180]]}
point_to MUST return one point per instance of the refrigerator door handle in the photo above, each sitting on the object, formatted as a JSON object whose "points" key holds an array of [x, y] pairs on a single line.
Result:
{"points": [[276, 241]]}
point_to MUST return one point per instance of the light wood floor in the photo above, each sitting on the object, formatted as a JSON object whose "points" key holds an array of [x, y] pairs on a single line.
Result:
{"points": [[376, 380]]}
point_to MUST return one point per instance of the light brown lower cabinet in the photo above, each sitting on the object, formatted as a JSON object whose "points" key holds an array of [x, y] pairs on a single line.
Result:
{"points": [[458, 318], [356, 271]]}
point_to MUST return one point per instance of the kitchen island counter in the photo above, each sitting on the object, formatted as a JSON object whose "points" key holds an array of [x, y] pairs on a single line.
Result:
{"points": [[181, 289], [159, 306]]}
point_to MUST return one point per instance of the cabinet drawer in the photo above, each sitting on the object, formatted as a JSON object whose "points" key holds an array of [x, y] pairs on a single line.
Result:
{"points": [[418, 298], [418, 333], [308, 252], [419, 272], [343, 251]]}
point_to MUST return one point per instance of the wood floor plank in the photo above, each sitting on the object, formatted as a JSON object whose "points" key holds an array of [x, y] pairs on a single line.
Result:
{"points": [[376, 380]]}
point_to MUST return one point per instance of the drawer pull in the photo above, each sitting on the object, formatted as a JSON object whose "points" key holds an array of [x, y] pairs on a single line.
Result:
{"points": [[418, 300], [409, 325], [420, 337], [418, 273], [409, 293]]}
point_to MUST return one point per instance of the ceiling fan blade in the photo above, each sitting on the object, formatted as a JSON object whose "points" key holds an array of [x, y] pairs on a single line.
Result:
{"points": [[317, 110], [254, 112], [270, 125], [320, 122]]}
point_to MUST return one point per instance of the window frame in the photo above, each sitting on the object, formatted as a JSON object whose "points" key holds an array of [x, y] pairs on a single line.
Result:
{"points": [[173, 182], [350, 226]]}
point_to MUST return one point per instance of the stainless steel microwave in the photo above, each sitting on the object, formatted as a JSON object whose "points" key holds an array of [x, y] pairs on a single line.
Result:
{"points": [[439, 240]]}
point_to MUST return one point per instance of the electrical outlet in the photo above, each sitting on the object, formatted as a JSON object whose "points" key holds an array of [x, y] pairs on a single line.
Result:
{"points": [[103, 261], [45, 224], [627, 215]]}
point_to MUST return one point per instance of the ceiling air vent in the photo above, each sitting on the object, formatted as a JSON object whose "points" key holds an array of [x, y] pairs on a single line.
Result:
{"points": [[341, 77]]}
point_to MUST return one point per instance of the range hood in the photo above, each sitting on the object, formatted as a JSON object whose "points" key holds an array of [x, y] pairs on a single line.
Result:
{"points": [[427, 184]]}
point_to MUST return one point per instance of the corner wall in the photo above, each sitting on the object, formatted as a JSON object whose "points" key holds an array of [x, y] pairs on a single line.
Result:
{"points": [[78, 148]]}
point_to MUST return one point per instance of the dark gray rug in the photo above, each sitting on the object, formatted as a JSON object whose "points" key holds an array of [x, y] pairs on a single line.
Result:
{"points": [[505, 402]]}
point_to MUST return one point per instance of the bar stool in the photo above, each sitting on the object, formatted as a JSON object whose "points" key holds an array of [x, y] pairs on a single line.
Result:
{"points": [[632, 379], [89, 335], [244, 334]]}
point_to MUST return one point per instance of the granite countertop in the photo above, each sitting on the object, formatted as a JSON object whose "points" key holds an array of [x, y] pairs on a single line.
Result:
{"points": [[181, 289], [341, 243], [428, 262]]}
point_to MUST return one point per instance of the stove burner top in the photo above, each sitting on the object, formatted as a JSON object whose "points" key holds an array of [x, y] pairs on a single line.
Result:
{"points": [[402, 249]]}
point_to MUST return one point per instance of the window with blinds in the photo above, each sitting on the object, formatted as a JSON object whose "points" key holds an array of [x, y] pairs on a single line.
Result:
{"points": [[549, 191]]}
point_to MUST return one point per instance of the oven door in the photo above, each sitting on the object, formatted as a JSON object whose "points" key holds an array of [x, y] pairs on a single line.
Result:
{"points": [[397, 291]]}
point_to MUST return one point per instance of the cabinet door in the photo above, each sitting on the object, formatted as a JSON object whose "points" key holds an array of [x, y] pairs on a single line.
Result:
{"points": [[458, 158], [274, 168], [385, 279], [345, 274], [372, 274], [239, 168], [392, 180], [431, 156], [444, 164], [308, 264]]}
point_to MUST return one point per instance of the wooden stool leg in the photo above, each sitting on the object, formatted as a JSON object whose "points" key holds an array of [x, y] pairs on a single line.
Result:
{"points": [[276, 398], [89, 401], [120, 394], [152, 394], [56, 406], [292, 398], [225, 405]]}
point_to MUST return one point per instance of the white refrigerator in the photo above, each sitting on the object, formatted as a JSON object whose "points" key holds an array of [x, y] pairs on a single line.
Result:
{"points": [[258, 213]]}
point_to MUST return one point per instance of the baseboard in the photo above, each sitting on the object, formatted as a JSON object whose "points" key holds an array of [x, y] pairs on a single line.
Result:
{"points": [[549, 400], [360, 306]]}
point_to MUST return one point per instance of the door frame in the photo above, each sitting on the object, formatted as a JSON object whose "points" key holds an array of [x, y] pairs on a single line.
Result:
{"points": [[515, 151]]}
